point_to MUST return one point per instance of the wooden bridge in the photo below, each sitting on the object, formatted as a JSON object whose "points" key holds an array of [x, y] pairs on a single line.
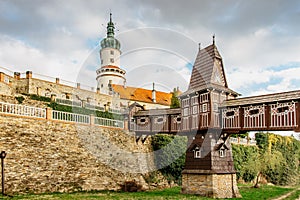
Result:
{"points": [[209, 113], [272, 112]]}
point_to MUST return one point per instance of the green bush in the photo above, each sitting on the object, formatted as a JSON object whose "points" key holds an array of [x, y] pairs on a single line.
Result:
{"points": [[84, 111], [169, 157], [40, 98], [20, 99], [245, 158], [275, 157]]}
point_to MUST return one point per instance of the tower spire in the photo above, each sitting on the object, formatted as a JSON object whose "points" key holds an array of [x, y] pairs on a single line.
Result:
{"points": [[110, 27]]}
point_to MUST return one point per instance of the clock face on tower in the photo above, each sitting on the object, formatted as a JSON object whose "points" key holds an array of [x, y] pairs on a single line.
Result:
{"points": [[217, 76]]}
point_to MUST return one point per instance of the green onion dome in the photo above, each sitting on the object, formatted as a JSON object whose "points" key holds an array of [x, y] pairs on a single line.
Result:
{"points": [[110, 41]]}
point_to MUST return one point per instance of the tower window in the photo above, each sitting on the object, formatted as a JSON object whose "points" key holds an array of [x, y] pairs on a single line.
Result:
{"points": [[101, 61], [112, 52], [112, 60]]}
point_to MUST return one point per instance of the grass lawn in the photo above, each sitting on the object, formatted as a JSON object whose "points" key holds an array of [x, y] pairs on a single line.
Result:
{"points": [[265, 192]]}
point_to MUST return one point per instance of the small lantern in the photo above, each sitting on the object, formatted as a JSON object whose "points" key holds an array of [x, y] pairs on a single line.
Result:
{"points": [[3, 154]]}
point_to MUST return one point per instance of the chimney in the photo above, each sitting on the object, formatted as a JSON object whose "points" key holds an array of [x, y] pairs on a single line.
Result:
{"points": [[57, 80], [153, 94], [29, 74], [98, 90], [78, 85], [17, 75]]}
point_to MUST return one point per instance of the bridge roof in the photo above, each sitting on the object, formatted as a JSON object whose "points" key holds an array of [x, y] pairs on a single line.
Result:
{"points": [[166, 111], [267, 98], [210, 87]]}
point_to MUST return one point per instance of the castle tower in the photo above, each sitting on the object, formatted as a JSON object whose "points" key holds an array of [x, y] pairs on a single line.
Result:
{"points": [[110, 71]]}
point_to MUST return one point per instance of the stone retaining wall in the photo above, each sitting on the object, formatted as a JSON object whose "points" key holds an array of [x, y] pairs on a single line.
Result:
{"points": [[48, 156]]}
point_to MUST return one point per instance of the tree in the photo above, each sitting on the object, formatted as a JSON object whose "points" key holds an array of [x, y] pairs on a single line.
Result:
{"points": [[175, 103], [170, 155]]}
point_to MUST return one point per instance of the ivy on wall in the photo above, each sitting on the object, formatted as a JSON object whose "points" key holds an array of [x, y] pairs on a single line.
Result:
{"points": [[85, 111]]}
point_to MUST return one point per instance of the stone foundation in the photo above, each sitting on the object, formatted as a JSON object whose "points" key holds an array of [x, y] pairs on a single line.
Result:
{"points": [[210, 185]]}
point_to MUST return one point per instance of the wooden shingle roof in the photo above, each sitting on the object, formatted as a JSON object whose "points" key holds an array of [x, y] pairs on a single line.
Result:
{"points": [[208, 72], [203, 67], [263, 99]]}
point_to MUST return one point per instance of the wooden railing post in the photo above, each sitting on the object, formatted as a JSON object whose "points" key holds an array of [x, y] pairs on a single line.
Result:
{"points": [[49, 113], [92, 119]]}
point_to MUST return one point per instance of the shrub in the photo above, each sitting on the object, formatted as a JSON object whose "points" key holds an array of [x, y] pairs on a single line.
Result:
{"points": [[20, 99], [170, 155]]}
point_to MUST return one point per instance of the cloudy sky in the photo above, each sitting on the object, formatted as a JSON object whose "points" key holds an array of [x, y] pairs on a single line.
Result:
{"points": [[258, 40]]}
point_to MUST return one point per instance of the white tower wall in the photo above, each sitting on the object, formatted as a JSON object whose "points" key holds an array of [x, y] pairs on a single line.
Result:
{"points": [[110, 56]]}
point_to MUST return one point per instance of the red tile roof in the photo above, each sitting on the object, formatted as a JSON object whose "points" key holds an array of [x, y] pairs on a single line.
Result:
{"points": [[142, 95]]}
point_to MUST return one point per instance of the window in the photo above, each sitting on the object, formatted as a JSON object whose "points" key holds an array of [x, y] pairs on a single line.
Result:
{"points": [[186, 112], [6, 79], [222, 153], [178, 119], [142, 120], [159, 120], [185, 102], [197, 153], [216, 107], [112, 52], [101, 61], [204, 107], [112, 60], [195, 100], [195, 110]]}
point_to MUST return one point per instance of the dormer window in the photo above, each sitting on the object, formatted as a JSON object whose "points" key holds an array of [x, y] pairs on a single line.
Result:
{"points": [[197, 152], [222, 153]]}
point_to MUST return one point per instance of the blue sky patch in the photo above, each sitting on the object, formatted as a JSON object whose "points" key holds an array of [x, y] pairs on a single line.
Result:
{"points": [[290, 65]]}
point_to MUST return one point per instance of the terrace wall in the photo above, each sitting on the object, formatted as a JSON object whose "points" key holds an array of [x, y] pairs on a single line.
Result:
{"points": [[52, 156]]}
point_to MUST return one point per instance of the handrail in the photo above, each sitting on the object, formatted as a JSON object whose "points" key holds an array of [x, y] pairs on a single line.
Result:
{"points": [[22, 110], [71, 117], [109, 122]]}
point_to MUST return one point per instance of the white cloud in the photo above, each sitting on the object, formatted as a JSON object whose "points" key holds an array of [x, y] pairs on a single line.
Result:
{"points": [[54, 37]]}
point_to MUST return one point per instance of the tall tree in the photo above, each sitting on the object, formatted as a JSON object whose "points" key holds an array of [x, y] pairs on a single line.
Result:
{"points": [[175, 103]]}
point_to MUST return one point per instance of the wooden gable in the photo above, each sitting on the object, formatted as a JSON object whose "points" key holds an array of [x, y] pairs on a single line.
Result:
{"points": [[208, 69], [218, 76]]}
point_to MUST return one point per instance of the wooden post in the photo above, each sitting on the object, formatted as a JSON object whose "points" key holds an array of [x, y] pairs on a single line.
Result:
{"points": [[92, 119], [53, 97], [49, 113], [1, 77], [17, 75], [29, 74]]}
